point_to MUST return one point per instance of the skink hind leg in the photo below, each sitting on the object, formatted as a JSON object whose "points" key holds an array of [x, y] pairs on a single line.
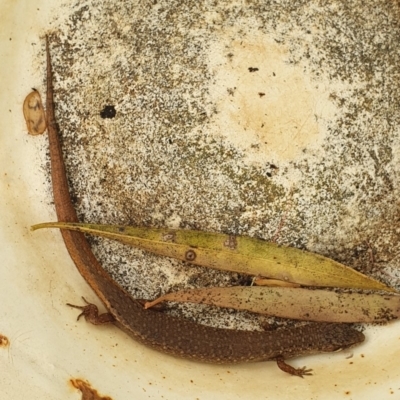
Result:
{"points": [[91, 314], [301, 372]]}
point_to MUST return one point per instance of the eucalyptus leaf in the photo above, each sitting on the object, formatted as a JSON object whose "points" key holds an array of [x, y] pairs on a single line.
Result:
{"points": [[233, 253], [294, 303]]}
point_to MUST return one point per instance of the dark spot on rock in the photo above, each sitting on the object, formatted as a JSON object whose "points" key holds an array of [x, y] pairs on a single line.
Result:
{"points": [[253, 69], [108, 112]]}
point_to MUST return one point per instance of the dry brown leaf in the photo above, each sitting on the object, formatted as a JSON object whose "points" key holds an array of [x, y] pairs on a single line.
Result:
{"points": [[295, 303]]}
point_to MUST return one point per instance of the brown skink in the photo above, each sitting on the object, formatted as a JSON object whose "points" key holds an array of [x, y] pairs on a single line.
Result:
{"points": [[172, 335]]}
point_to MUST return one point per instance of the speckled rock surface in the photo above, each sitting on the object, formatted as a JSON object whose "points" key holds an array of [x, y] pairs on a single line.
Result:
{"points": [[273, 119]]}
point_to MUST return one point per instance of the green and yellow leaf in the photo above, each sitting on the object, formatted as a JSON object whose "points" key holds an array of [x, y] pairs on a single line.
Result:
{"points": [[233, 253]]}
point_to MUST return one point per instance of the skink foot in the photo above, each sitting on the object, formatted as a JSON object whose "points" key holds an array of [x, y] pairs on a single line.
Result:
{"points": [[91, 314], [301, 372]]}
